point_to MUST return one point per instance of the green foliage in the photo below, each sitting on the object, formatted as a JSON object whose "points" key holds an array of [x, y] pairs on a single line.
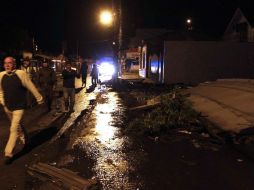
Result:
{"points": [[174, 111]]}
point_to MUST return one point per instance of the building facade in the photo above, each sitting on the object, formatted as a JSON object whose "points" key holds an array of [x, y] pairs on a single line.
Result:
{"points": [[240, 28]]}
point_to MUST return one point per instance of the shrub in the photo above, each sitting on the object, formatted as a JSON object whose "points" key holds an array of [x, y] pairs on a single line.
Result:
{"points": [[174, 111]]}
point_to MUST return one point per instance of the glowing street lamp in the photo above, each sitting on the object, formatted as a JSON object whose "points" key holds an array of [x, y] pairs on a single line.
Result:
{"points": [[106, 18], [189, 24], [113, 19]]}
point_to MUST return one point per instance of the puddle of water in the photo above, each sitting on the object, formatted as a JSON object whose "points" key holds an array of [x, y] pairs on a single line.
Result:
{"points": [[105, 145]]}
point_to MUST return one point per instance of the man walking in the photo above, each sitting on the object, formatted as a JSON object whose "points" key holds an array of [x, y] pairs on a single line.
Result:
{"points": [[83, 72], [13, 87], [26, 66], [69, 76], [47, 81], [94, 74]]}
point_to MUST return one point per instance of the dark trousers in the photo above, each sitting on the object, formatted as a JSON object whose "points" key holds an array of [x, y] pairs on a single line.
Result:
{"points": [[94, 80], [69, 97], [83, 78], [47, 93]]}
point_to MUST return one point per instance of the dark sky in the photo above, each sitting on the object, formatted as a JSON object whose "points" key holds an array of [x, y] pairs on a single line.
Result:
{"points": [[53, 22]]}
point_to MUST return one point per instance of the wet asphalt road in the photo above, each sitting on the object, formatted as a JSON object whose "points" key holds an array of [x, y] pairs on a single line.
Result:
{"points": [[98, 149], [93, 145]]}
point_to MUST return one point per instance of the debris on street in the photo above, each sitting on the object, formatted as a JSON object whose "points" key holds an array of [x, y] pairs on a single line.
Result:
{"points": [[61, 178]]}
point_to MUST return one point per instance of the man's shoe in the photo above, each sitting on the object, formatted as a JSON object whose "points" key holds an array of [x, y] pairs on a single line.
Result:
{"points": [[8, 160], [24, 139]]}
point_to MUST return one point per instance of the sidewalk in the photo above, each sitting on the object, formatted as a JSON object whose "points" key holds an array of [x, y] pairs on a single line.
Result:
{"points": [[42, 127], [130, 76], [228, 104], [34, 118], [134, 76]]}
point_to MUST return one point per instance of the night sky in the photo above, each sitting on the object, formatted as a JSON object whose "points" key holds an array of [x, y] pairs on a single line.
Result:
{"points": [[52, 22]]}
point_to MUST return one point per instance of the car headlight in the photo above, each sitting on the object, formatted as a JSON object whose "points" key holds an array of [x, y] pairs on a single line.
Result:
{"points": [[106, 68]]}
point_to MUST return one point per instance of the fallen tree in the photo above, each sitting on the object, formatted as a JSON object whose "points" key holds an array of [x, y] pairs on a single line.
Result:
{"points": [[171, 110]]}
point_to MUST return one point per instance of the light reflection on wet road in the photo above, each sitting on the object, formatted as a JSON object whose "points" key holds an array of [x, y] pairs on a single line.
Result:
{"points": [[102, 141], [96, 144]]}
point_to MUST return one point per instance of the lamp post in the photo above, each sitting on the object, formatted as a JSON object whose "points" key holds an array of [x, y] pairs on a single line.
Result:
{"points": [[113, 19], [120, 34], [189, 24]]}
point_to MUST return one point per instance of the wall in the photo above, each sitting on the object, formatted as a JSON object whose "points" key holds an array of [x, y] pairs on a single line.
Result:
{"points": [[251, 35], [195, 62], [142, 66]]}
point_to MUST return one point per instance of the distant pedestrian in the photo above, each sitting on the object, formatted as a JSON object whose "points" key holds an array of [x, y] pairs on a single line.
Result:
{"points": [[47, 81], [13, 86], [94, 74], [26, 67], [83, 72], [69, 76]]}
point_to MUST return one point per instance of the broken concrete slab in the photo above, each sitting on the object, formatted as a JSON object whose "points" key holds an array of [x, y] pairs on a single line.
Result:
{"points": [[150, 104], [144, 107], [60, 178], [228, 104]]}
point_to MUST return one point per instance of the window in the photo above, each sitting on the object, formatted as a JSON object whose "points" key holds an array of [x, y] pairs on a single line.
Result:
{"points": [[242, 30]]}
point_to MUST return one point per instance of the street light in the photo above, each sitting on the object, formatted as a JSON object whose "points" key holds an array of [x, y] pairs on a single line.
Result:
{"points": [[189, 24], [188, 21], [106, 18], [113, 19]]}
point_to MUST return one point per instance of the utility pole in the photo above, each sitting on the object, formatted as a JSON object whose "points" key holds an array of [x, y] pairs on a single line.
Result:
{"points": [[77, 62], [120, 32], [117, 29], [63, 47], [77, 49], [120, 37], [33, 44]]}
